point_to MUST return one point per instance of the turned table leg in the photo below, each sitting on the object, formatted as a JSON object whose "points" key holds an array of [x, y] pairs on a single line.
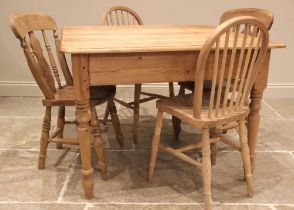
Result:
{"points": [[253, 124], [81, 86], [98, 142], [255, 106]]}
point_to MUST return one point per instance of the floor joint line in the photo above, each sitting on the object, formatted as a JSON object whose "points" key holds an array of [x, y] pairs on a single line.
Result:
{"points": [[69, 174], [272, 109], [88, 205], [272, 207]]}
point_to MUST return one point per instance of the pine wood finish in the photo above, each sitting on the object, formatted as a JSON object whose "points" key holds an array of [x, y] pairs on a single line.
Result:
{"points": [[134, 39], [32, 30], [124, 16], [220, 107], [154, 54]]}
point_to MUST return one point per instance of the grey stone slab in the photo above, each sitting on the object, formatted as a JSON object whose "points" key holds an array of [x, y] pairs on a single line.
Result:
{"points": [[20, 132], [285, 207], [40, 206], [127, 182], [273, 179], [21, 106], [24, 133], [276, 135], [178, 182], [20, 180], [267, 112], [283, 106]]}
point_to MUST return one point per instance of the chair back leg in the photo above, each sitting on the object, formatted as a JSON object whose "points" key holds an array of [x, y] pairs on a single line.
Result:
{"points": [[44, 138], [60, 124], [246, 156], [155, 143], [213, 147], [115, 122], [98, 142], [176, 127], [106, 114], [171, 89], [176, 121], [206, 169]]}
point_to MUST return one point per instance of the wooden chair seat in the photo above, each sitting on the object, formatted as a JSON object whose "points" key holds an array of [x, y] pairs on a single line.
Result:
{"points": [[66, 97], [182, 108]]}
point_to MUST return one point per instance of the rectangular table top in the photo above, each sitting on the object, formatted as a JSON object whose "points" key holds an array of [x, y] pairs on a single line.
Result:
{"points": [[137, 38]]}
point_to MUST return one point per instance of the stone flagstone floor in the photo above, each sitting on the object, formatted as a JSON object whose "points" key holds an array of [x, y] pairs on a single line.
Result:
{"points": [[177, 185]]}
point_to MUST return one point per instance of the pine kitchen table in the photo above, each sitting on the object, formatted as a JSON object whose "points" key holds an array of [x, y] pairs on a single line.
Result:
{"points": [[117, 55]]}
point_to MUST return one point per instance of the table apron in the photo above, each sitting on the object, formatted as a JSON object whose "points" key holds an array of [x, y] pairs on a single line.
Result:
{"points": [[136, 68]]}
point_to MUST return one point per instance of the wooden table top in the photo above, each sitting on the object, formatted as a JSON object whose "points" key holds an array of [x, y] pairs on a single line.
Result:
{"points": [[144, 38]]}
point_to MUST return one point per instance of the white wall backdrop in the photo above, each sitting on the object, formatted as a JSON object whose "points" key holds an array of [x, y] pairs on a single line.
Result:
{"points": [[16, 80]]}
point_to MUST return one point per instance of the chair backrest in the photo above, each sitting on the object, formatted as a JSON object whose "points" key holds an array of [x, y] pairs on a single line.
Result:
{"points": [[265, 16], [120, 15], [28, 28], [231, 46]]}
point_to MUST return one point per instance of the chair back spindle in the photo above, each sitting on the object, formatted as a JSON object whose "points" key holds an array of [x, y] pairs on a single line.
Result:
{"points": [[44, 66], [120, 15], [62, 61], [51, 59], [31, 29], [240, 45]]}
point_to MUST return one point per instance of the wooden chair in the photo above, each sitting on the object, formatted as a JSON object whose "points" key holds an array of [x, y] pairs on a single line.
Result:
{"points": [[120, 16], [31, 29], [243, 55], [265, 16]]}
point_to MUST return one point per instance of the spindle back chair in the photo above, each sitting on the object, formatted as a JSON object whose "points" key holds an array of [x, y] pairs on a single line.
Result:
{"points": [[33, 30], [265, 16], [236, 56], [122, 16], [25, 27]]}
